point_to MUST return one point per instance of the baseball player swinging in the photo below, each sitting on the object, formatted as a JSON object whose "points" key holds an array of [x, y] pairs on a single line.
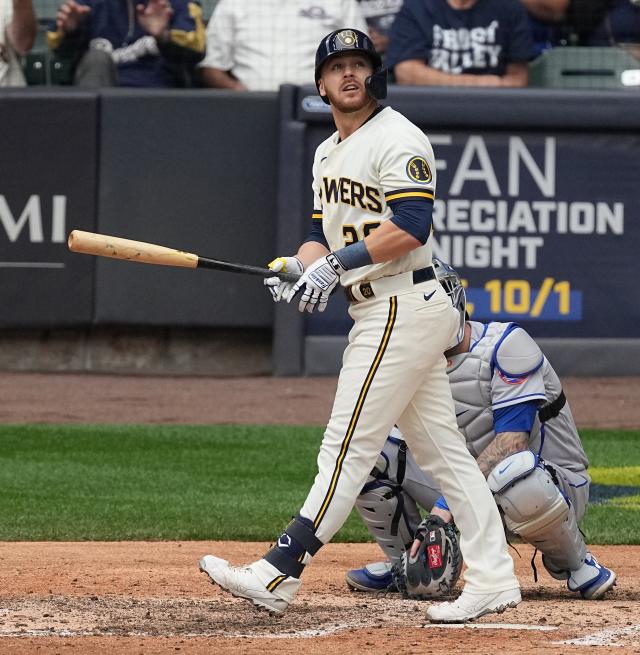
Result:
{"points": [[373, 186], [517, 423]]}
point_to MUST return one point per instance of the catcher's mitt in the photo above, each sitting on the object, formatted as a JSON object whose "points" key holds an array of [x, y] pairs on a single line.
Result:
{"points": [[435, 569]]}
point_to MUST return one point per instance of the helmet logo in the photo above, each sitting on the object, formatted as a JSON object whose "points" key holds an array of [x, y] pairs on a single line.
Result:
{"points": [[347, 38], [418, 170]]}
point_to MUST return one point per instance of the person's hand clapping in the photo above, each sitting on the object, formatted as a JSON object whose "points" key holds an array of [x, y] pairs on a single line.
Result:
{"points": [[70, 15], [154, 17]]}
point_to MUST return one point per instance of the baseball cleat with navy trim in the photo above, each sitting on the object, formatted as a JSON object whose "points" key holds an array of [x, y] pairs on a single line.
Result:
{"points": [[468, 607], [591, 580], [261, 582], [374, 577]]}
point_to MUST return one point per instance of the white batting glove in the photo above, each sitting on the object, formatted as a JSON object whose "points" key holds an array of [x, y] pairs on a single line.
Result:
{"points": [[317, 283], [276, 286]]}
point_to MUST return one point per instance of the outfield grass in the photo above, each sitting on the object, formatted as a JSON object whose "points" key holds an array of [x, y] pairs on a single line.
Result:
{"points": [[89, 482]]}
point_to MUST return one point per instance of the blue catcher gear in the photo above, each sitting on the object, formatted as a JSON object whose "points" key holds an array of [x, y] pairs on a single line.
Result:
{"points": [[372, 577], [452, 284], [351, 40]]}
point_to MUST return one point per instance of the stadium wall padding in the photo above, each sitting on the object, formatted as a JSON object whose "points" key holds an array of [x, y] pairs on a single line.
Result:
{"points": [[536, 209]]}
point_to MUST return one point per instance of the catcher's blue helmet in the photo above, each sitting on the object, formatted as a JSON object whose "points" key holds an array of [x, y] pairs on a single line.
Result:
{"points": [[351, 40]]}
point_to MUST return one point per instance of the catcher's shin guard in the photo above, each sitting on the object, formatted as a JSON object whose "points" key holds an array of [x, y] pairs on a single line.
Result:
{"points": [[535, 509], [391, 516]]}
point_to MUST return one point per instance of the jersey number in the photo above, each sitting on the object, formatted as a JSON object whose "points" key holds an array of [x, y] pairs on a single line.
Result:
{"points": [[350, 233]]}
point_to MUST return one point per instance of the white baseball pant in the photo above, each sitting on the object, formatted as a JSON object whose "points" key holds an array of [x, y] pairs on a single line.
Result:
{"points": [[394, 373]]}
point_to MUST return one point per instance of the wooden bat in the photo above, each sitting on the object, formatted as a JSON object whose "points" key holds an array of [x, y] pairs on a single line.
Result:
{"points": [[101, 245]]}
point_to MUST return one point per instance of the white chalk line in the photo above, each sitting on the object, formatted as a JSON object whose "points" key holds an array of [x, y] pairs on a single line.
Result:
{"points": [[493, 626], [606, 637], [293, 634], [298, 634]]}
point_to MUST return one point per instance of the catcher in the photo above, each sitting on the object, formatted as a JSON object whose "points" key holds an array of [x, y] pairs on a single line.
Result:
{"points": [[517, 423]]}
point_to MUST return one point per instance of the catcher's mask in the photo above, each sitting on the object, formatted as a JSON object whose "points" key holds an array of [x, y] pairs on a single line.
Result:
{"points": [[345, 40], [451, 283]]}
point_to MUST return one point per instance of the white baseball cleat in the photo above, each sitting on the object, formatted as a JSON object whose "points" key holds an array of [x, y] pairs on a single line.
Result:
{"points": [[261, 582], [468, 607]]}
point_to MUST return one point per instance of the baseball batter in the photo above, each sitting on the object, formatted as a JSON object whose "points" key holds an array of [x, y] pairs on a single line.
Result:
{"points": [[373, 185], [517, 423]]}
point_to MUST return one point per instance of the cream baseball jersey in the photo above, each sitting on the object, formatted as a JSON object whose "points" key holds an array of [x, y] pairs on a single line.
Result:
{"points": [[356, 181]]}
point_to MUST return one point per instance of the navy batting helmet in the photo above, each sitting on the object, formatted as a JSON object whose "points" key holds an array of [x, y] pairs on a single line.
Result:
{"points": [[351, 40]]}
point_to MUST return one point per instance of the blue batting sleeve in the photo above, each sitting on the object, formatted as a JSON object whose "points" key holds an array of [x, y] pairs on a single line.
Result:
{"points": [[413, 216], [515, 418], [317, 234]]}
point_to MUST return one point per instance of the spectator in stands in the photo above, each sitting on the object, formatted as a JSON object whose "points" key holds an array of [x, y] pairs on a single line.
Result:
{"points": [[380, 15], [461, 42], [17, 34], [546, 18], [605, 22], [152, 44], [257, 45]]}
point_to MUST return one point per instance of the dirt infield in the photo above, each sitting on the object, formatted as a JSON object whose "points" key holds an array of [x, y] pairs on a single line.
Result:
{"points": [[70, 398], [150, 598]]}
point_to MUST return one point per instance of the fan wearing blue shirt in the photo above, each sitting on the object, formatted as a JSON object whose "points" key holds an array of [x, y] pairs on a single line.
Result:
{"points": [[461, 43]]}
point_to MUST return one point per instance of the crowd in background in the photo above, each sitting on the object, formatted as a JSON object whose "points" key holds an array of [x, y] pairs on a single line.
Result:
{"points": [[257, 45]]}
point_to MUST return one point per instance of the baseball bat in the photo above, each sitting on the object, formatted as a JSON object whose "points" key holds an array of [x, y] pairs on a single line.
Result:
{"points": [[102, 245]]}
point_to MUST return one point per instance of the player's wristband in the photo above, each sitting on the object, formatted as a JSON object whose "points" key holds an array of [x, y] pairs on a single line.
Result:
{"points": [[354, 255], [441, 503]]}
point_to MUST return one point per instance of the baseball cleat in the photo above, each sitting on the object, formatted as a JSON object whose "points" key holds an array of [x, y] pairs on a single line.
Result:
{"points": [[374, 577], [592, 580], [260, 582], [468, 607]]}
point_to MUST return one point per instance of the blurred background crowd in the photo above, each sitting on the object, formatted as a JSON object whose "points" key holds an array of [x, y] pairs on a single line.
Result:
{"points": [[257, 45]]}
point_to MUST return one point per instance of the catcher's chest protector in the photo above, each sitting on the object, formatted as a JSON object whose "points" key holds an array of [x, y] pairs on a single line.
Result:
{"points": [[470, 378]]}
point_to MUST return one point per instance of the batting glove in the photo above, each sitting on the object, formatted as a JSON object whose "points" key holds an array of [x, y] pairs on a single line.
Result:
{"points": [[317, 283], [276, 286]]}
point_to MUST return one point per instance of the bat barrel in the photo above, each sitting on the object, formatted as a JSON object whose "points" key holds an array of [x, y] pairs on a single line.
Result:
{"points": [[103, 245]]}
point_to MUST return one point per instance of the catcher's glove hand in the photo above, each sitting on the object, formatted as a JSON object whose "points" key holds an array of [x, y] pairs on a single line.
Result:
{"points": [[435, 569]]}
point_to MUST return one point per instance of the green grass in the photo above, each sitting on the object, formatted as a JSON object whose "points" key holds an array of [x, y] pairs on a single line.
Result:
{"points": [[61, 482], [614, 457]]}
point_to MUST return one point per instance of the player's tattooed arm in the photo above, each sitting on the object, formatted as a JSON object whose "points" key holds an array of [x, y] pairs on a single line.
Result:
{"points": [[505, 444]]}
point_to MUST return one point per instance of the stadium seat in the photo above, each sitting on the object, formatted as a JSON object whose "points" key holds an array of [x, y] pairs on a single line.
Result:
{"points": [[41, 66], [568, 67]]}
